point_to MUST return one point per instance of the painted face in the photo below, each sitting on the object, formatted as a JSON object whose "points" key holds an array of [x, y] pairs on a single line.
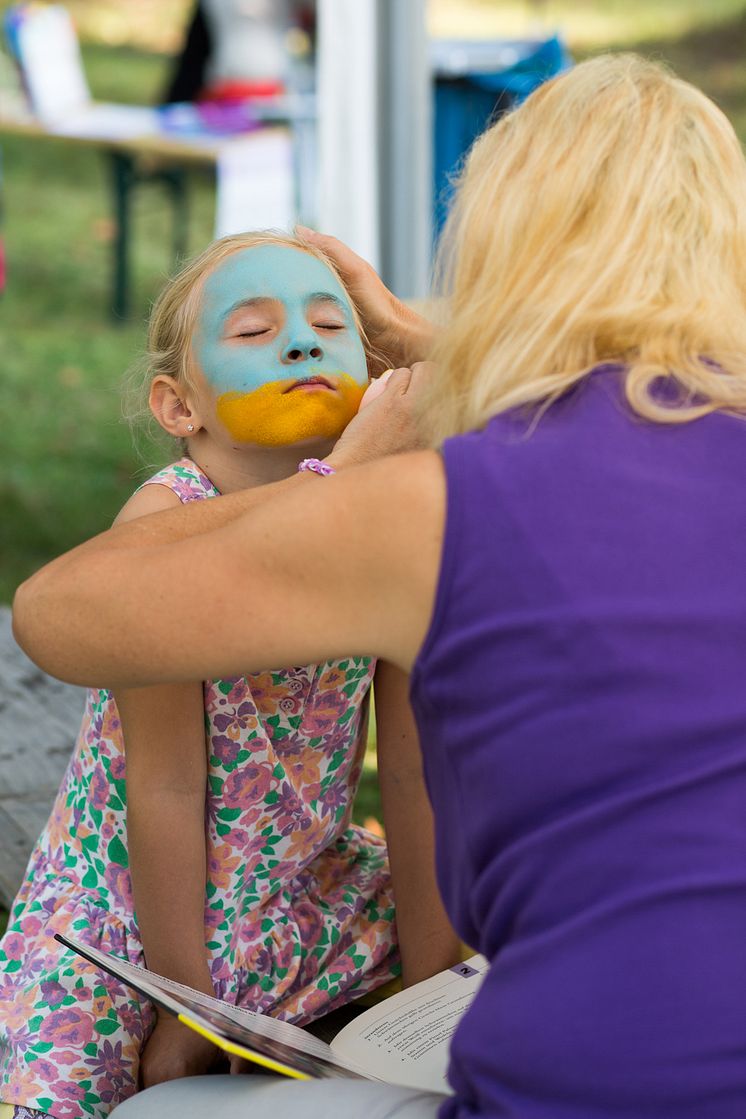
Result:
{"points": [[276, 340]]}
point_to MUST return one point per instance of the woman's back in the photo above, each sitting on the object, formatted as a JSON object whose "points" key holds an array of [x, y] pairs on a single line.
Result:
{"points": [[588, 767]]}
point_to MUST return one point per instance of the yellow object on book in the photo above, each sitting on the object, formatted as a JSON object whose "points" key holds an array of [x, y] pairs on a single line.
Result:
{"points": [[228, 1046], [403, 1040]]}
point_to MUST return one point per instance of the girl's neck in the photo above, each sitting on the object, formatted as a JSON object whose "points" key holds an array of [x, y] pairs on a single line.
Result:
{"points": [[239, 468]]}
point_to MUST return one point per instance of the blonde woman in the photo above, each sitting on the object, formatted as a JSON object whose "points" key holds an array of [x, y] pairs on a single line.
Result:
{"points": [[563, 578]]}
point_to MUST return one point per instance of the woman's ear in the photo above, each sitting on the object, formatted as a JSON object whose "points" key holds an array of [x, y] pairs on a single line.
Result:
{"points": [[171, 405]]}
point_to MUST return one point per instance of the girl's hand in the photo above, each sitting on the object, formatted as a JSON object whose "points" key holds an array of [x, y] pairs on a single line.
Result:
{"points": [[173, 1051], [394, 331], [389, 425], [239, 1066]]}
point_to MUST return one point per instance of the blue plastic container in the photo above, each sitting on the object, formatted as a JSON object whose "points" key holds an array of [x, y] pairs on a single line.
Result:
{"points": [[473, 83]]}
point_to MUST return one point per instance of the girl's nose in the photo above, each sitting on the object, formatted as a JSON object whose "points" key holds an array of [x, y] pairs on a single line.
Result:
{"points": [[302, 350]]}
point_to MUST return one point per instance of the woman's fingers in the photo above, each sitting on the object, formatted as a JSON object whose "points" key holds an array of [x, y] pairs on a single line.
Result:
{"points": [[399, 380], [374, 300], [395, 332], [410, 379], [390, 424], [348, 262]]}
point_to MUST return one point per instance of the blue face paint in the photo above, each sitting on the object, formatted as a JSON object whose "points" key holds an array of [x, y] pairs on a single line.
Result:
{"points": [[274, 313], [277, 341]]}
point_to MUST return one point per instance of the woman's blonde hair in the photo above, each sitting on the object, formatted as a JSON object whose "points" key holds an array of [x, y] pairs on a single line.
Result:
{"points": [[603, 220], [174, 315]]}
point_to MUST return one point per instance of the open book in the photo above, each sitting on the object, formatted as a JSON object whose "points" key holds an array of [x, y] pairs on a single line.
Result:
{"points": [[403, 1040]]}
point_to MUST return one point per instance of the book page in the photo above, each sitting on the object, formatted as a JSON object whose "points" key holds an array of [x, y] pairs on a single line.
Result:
{"points": [[405, 1039], [282, 1042]]}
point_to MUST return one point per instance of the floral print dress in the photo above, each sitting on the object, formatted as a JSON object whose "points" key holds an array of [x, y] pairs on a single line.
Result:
{"points": [[298, 910]]}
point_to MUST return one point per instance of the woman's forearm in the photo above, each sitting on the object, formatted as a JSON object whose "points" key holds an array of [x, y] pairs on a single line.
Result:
{"points": [[348, 565], [388, 426]]}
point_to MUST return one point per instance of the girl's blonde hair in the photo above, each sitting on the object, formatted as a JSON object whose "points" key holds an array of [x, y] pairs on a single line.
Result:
{"points": [[174, 315], [603, 220]]}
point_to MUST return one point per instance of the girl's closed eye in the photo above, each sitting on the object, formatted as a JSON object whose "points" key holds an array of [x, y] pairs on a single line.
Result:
{"points": [[256, 320], [249, 328]]}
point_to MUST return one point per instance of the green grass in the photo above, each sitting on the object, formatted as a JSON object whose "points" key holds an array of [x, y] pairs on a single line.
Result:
{"points": [[67, 463], [711, 56], [587, 24]]}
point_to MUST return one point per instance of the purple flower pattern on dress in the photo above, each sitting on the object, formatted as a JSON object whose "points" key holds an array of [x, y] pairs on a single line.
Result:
{"points": [[298, 905]]}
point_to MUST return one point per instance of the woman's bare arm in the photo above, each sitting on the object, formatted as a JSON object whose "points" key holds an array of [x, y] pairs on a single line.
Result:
{"points": [[389, 426], [427, 941], [346, 565]]}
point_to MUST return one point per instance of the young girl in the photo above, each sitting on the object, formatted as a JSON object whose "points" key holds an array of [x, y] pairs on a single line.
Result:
{"points": [[222, 853]]}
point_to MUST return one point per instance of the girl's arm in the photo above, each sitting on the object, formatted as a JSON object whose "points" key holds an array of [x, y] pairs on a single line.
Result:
{"points": [[166, 779], [164, 740], [427, 941]]}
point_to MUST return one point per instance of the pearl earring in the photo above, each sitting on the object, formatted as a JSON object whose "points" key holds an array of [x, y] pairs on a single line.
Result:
{"points": [[190, 427]]}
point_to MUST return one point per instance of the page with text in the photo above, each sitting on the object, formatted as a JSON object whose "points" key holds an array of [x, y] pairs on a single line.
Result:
{"points": [[405, 1039]]}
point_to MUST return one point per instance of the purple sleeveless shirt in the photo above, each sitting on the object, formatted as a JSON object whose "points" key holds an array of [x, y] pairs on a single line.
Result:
{"points": [[581, 701]]}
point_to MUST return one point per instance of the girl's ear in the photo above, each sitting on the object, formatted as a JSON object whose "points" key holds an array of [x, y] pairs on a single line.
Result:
{"points": [[171, 405]]}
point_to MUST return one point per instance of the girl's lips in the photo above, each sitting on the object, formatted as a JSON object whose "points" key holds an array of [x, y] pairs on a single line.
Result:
{"points": [[310, 384]]}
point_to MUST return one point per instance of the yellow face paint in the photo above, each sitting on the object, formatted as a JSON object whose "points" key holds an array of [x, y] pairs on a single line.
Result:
{"points": [[272, 416], [272, 318]]}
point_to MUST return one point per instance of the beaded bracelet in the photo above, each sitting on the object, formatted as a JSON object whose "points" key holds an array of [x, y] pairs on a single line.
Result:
{"points": [[316, 466]]}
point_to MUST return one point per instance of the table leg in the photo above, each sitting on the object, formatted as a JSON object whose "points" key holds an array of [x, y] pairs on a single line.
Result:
{"points": [[3, 272], [178, 185], [123, 179]]}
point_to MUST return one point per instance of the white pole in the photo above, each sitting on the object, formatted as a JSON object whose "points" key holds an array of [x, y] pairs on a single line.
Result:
{"points": [[375, 135], [405, 91], [348, 124]]}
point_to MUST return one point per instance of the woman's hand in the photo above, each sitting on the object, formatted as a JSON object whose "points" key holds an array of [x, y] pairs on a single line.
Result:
{"points": [[173, 1051], [395, 332], [389, 425]]}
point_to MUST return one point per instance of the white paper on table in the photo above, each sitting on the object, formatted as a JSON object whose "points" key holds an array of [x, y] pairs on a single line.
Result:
{"points": [[104, 121], [51, 63], [255, 188]]}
